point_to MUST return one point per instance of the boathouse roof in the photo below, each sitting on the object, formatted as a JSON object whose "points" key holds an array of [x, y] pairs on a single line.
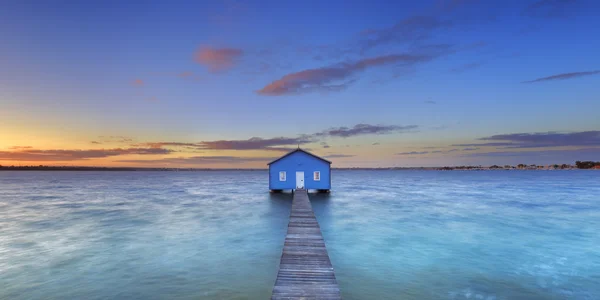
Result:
{"points": [[300, 150]]}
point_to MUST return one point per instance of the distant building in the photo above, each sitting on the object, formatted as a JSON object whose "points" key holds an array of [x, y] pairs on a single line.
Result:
{"points": [[300, 169]]}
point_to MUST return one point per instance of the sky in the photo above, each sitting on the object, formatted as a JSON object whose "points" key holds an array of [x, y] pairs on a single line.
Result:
{"points": [[236, 84]]}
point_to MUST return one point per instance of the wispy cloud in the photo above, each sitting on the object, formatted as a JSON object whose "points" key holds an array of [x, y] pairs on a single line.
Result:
{"points": [[20, 148], [336, 77], [550, 8], [116, 139], [138, 82], [413, 153], [72, 155], [286, 143], [466, 67], [539, 139], [538, 157], [218, 59], [430, 102], [255, 143], [436, 151], [448, 5], [408, 30], [364, 129], [186, 74], [95, 142], [564, 76], [339, 155], [200, 160], [375, 144]]}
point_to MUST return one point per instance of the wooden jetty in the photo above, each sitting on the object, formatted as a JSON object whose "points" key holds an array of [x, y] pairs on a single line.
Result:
{"points": [[305, 271]]}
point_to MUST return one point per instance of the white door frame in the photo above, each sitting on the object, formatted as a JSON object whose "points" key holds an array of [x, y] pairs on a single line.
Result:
{"points": [[299, 180]]}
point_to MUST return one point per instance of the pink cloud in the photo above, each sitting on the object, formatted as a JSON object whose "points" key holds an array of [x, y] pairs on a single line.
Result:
{"points": [[329, 78], [186, 74], [138, 82], [218, 59]]}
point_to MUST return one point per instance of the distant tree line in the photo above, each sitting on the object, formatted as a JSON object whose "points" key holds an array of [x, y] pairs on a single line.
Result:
{"points": [[587, 164]]}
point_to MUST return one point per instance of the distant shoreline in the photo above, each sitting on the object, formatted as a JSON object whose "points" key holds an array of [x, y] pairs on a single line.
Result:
{"points": [[123, 169]]}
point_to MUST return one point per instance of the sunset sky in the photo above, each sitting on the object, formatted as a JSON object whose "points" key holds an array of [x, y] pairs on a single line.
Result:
{"points": [[235, 84]]}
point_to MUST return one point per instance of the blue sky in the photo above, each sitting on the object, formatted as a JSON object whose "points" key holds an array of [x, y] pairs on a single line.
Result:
{"points": [[401, 77]]}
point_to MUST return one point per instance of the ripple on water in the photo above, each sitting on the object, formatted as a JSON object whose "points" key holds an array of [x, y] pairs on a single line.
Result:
{"points": [[390, 235]]}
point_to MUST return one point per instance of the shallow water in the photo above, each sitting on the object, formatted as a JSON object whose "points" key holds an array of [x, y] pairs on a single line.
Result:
{"points": [[219, 235]]}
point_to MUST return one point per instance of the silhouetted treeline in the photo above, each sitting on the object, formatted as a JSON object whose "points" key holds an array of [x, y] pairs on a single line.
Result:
{"points": [[587, 164]]}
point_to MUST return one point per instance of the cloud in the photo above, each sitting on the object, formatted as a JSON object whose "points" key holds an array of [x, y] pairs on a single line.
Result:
{"points": [[185, 74], [335, 77], [549, 8], [364, 129], [138, 82], [338, 155], [539, 139], [413, 153], [20, 147], [376, 144], [448, 5], [116, 139], [564, 76], [408, 30], [255, 143], [430, 102], [435, 151], [539, 157], [200, 160], [95, 142], [466, 67], [71, 155], [218, 59], [285, 143]]}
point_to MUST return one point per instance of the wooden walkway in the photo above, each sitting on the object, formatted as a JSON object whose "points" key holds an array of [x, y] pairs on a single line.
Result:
{"points": [[305, 271]]}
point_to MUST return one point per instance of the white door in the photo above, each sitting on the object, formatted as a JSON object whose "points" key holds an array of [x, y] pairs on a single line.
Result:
{"points": [[299, 180]]}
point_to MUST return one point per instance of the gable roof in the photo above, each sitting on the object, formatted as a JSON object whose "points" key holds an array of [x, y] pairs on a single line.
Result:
{"points": [[300, 150]]}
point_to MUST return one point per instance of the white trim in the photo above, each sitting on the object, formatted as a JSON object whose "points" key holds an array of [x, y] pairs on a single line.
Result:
{"points": [[317, 176], [282, 176]]}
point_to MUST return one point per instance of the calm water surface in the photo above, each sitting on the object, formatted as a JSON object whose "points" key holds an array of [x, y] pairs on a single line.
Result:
{"points": [[218, 235]]}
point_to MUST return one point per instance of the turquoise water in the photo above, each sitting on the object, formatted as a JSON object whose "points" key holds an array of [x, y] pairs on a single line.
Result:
{"points": [[218, 235]]}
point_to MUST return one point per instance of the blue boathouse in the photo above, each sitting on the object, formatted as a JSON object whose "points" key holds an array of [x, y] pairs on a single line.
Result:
{"points": [[300, 169]]}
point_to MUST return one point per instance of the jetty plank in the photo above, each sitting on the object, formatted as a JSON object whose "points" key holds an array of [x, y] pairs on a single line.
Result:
{"points": [[305, 271]]}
